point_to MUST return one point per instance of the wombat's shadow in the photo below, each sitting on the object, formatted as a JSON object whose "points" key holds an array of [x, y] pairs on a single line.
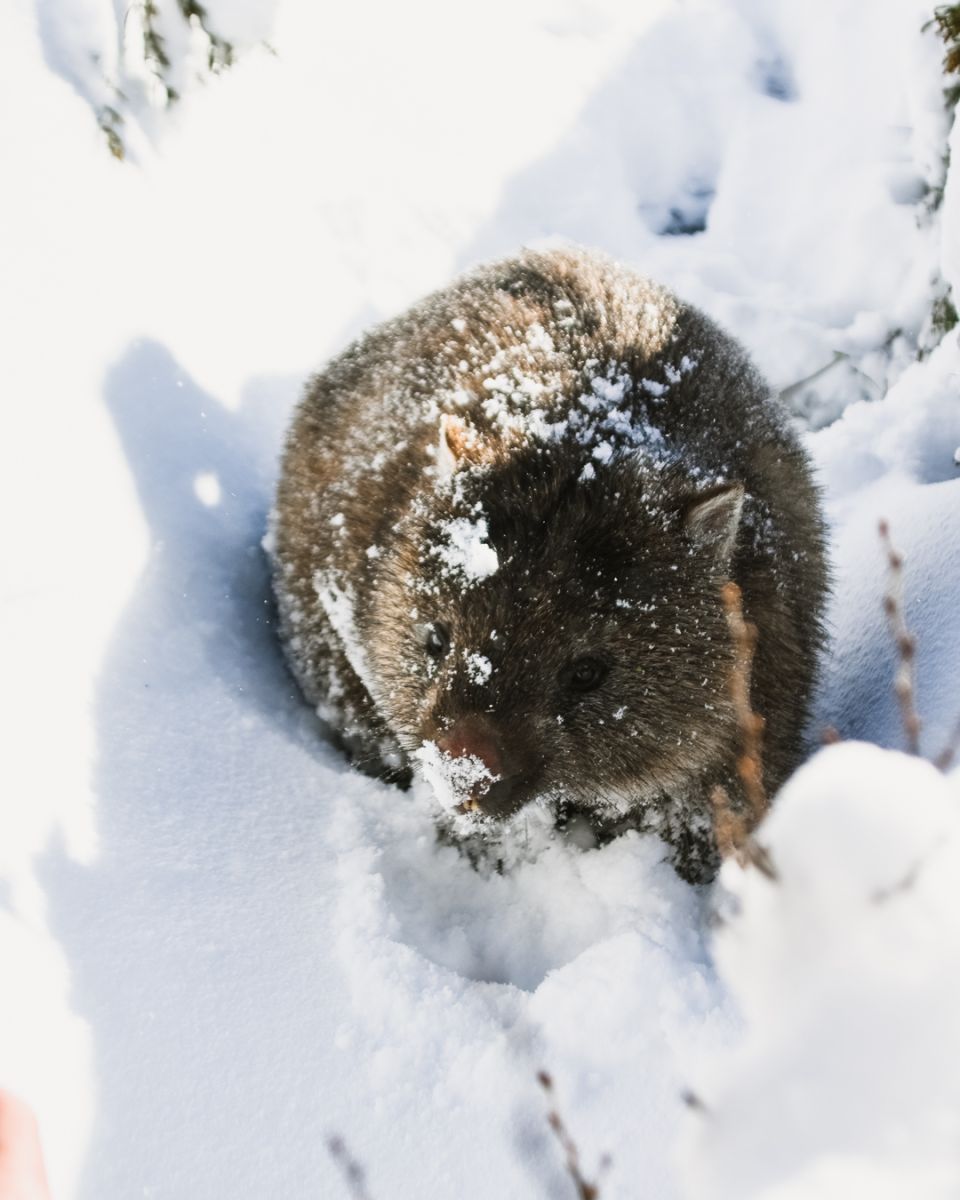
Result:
{"points": [[184, 942], [196, 938]]}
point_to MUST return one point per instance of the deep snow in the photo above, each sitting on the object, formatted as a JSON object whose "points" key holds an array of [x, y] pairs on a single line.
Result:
{"points": [[218, 945]]}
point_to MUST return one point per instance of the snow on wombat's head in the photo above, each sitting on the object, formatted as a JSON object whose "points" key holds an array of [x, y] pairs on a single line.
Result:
{"points": [[553, 626]]}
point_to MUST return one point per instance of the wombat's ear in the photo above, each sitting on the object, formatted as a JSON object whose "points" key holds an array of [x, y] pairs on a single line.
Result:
{"points": [[457, 446], [713, 518]]}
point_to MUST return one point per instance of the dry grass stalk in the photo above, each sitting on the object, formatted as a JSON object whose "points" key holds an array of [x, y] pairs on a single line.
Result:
{"points": [[903, 682], [734, 839], [729, 827], [585, 1189], [353, 1174], [734, 829], [750, 762], [946, 756]]}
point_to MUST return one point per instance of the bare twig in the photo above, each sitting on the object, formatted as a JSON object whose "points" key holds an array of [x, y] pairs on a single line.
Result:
{"points": [[903, 681], [749, 764], [353, 1174], [946, 756], [734, 839], [904, 884], [585, 1189], [693, 1101], [734, 829]]}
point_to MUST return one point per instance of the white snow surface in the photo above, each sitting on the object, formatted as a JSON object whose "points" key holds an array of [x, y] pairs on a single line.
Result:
{"points": [[219, 945]]}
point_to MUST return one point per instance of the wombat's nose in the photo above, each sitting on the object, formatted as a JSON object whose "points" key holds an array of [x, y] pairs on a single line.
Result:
{"points": [[467, 739]]}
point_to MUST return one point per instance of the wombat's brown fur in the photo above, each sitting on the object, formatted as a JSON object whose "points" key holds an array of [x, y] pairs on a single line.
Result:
{"points": [[502, 527]]}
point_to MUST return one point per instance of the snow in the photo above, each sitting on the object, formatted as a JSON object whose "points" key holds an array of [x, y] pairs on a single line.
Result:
{"points": [[218, 945], [466, 553], [452, 779], [844, 970]]}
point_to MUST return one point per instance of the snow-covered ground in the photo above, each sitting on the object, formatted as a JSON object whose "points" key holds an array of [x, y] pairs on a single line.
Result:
{"points": [[218, 946]]}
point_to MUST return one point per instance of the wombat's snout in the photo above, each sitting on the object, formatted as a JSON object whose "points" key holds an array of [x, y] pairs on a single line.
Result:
{"points": [[472, 737]]}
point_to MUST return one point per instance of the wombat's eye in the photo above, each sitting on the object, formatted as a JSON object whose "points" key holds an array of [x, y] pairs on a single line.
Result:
{"points": [[436, 640], [583, 674]]}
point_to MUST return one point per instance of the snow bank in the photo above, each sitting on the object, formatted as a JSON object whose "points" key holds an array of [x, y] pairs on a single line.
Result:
{"points": [[845, 969]]}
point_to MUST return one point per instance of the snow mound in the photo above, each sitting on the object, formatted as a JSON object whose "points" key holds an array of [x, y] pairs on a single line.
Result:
{"points": [[845, 968]]}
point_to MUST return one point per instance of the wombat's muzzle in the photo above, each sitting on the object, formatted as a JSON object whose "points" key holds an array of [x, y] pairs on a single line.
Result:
{"points": [[475, 737]]}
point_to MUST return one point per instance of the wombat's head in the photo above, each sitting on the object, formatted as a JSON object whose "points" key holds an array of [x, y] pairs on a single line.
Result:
{"points": [[545, 627]]}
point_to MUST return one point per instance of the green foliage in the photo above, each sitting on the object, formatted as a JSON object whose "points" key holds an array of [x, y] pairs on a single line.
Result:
{"points": [[943, 315], [149, 17], [946, 18], [220, 54], [110, 121]]}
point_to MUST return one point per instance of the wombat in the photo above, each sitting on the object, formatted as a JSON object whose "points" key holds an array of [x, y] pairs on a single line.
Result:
{"points": [[502, 527]]}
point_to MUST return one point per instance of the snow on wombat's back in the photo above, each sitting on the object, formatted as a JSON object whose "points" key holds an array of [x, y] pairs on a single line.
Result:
{"points": [[502, 528]]}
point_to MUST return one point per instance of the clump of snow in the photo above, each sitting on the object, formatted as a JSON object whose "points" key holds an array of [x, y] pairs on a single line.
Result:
{"points": [[465, 550], [479, 668], [845, 968], [454, 779]]}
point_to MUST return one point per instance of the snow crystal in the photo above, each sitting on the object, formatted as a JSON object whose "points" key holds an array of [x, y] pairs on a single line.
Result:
{"points": [[611, 391], [539, 339], [479, 668], [499, 383]]}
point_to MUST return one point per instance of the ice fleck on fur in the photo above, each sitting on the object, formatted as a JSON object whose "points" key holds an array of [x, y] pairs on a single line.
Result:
{"points": [[453, 780], [479, 668]]}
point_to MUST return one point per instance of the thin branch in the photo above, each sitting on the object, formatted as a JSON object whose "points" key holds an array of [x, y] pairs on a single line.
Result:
{"points": [[734, 839], [353, 1174], [946, 756], [791, 389], [585, 1189], [693, 1101], [906, 643]]}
